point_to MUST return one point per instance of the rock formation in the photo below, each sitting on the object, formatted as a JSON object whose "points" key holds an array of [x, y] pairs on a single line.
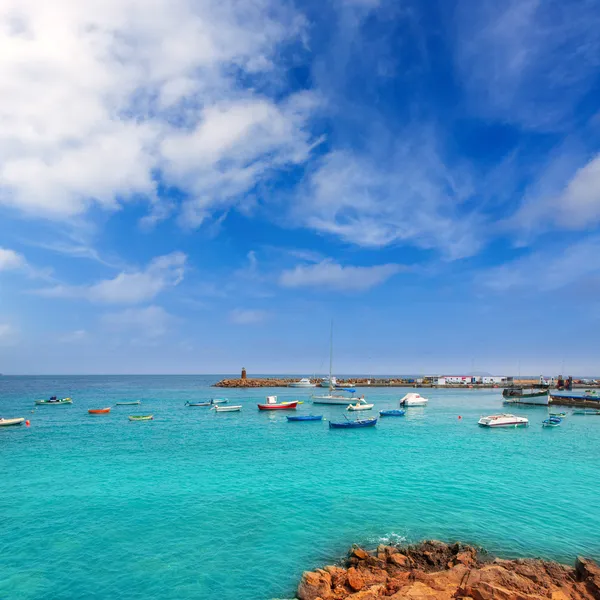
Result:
{"points": [[437, 571]]}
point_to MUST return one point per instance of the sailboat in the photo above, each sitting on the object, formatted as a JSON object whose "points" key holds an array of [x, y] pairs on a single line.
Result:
{"points": [[332, 398]]}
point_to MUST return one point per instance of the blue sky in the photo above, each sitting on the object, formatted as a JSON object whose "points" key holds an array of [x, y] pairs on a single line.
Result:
{"points": [[194, 186]]}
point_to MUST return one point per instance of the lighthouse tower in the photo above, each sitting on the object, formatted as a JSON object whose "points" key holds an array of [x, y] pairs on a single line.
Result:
{"points": [[243, 372]]}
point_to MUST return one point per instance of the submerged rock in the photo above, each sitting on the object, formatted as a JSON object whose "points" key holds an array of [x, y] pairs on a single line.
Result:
{"points": [[434, 570]]}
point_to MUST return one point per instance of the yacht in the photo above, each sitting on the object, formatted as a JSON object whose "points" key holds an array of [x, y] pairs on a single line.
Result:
{"points": [[413, 399], [303, 383], [504, 420], [327, 382]]}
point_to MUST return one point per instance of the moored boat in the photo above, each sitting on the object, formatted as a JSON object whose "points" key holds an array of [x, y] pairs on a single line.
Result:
{"points": [[559, 398], [520, 395], [394, 412], [413, 399], [303, 383], [141, 417], [198, 404], [132, 403], [304, 417], [229, 408], [99, 411], [360, 406], [353, 424], [54, 400], [552, 422], [503, 420], [562, 415], [586, 411], [11, 422], [272, 404]]}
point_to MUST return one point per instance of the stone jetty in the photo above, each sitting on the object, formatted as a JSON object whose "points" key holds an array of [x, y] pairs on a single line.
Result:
{"points": [[434, 570]]}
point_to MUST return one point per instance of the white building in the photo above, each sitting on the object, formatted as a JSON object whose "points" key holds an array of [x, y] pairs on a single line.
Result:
{"points": [[470, 380]]}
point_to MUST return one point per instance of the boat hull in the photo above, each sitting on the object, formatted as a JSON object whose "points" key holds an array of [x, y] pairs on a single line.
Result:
{"points": [[355, 407], [392, 413], [286, 406], [333, 400], [99, 411], [11, 422], [141, 417], [54, 403], [228, 408], [353, 424], [128, 403], [534, 400], [305, 418]]}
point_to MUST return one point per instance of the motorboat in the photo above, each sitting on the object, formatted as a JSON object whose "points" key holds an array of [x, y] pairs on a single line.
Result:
{"points": [[519, 395], [413, 399], [303, 383], [272, 404], [99, 411], [503, 420], [11, 422], [304, 417], [54, 400], [395, 412], [360, 406], [141, 417], [328, 382], [353, 424], [228, 408]]}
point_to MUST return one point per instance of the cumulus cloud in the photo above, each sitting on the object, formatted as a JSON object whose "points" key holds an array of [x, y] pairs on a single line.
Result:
{"points": [[128, 287], [149, 322], [330, 275], [11, 260], [96, 97], [245, 316]]}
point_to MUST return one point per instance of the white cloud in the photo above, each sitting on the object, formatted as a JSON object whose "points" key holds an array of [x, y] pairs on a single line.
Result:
{"points": [[11, 260], [96, 96], [128, 287], [330, 275], [548, 270], [245, 316], [8, 334], [149, 322], [74, 336]]}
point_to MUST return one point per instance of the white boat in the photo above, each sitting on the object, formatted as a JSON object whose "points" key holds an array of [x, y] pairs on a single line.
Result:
{"points": [[503, 420], [331, 398], [9, 422], [413, 399], [328, 382], [232, 408], [360, 406], [303, 383]]}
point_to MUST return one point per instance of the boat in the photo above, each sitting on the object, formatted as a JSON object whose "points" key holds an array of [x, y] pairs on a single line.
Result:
{"points": [[132, 403], [272, 404], [198, 404], [353, 424], [54, 400], [360, 406], [394, 412], [328, 382], [11, 422], [562, 415], [552, 422], [586, 411], [305, 417], [303, 383], [519, 395], [141, 417], [229, 408], [99, 411], [557, 398], [219, 400], [413, 399], [503, 420]]}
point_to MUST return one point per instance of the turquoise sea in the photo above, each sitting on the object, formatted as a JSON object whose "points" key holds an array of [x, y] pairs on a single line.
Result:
{"points": [[235, 506]]}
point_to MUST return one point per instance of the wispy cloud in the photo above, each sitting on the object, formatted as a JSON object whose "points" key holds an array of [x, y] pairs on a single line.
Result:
{"points": [[246, 316], [11, 260], [8, 334], [73, 337], [333, 276], [128, 287], [149, 322]]}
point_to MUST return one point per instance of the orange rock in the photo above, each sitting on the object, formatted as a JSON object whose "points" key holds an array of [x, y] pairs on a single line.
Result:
{"points": [[355, 579], [314, 585], [400, 560], [360, 553]]}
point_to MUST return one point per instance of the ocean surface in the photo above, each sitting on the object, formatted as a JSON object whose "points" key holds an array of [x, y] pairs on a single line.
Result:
{"points": [[235, 506]]}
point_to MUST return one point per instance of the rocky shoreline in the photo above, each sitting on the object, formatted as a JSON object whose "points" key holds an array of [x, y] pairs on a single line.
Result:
{"points": [[434, 570]]}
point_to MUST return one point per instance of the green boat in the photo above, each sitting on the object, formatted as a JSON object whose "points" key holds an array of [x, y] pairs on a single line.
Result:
{"points": [[54, 400], [586, 411], [562, 415], [141, 417]]}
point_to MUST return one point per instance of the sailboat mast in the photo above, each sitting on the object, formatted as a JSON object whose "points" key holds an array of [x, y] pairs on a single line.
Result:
{"points": [[331, 356]]}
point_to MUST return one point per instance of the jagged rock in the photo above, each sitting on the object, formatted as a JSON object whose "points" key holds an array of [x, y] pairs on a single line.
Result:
{"points": [[400, 560], [589, 573], [314, 585], [360, 553], [355, 579]]}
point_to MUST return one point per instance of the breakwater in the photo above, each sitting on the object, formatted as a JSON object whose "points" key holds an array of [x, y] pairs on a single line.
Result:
{"points": [[259, 382], [438, 571]]}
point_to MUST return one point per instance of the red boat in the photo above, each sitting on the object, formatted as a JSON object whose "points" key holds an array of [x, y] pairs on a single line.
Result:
{"points": [[99, 411], [272, 404]]}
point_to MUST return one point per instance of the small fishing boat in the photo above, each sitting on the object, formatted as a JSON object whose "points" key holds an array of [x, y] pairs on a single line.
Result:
{"points": [[272, 404], [219, 400], [54, 400], [360, 406], [141, 417], [413, 399], [394, 412], [588, 395], [586, 411], [519, 395], [562, 415], [305, 418], [11, 422], [303, 383], [198, 404], [132, 403], [350, 424], [504, 420], [99, 411], [551, 422], [231, 408]]}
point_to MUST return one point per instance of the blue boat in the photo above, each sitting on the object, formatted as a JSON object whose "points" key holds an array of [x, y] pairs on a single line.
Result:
{"points": [[552, 422], [305, 418], [353, 424], [394, 412]]}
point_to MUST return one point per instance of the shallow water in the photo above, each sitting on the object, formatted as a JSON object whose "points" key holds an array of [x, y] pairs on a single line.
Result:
{"points": [[236, 505]]}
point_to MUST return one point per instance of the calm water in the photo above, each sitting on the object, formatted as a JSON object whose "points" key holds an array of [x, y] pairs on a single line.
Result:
{"points": [[235, 506]]}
